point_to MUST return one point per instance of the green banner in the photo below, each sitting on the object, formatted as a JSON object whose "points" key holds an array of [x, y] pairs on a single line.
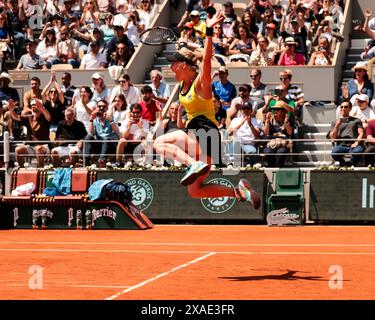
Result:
{"points": [[342, 195], [160, 196]]}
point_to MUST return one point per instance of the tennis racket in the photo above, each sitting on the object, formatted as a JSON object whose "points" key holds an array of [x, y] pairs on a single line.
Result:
{"points": [[157, 36]]}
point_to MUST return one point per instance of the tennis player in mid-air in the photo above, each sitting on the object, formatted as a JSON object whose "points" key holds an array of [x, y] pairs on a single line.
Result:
{"points": [[195, 95]]}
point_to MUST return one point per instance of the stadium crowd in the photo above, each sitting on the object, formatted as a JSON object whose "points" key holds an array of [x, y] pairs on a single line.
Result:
{"points": [[110, 123]]}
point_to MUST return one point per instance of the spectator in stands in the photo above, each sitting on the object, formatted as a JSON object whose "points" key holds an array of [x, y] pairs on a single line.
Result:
{"points": [[147, 12], [198, 25], [82, 35], [346, 127], [67, 12], [53, 102], [297, 32], [188, 38], [94, 59], [133, 131], [84, 106], [120, 37], [229, 26], [220, 113], [160, 88], [30, 60], [37, 123], [369, 51], [279, 129], [5, 41], [267, 18], [133, 27], [237, 103], [223, 88], [289, 56], [97, 36], [295, 93], [15, 20], [244, 131], [273, 39], [47, 48], [322, 56], [121, 56], [125, 87], [259, 92], [99, 89], [34, 93], [262, 56], [118, 109], [242, 46], [70, 130], [363, 111], [174, 119], [68, 48], [150, 107], [90, 17], [191, 6], [102, 128], [369, 23], [68, 89], [228, 10], [370, 144], [7, 92], [108, 29], [361, 83], [220, 45], [248, 20], [121, 18]]}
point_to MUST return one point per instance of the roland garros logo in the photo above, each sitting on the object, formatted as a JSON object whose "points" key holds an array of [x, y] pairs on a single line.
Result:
{"points": [[142, 192], [219, 205]]}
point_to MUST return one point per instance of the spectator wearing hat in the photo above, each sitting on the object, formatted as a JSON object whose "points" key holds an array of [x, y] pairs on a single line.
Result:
{"points": [[99, 89], [30, 60], [245, 131], [363, 111], [223, 88], [94, 59], [68, 48], [279, 129], [160, 88], [7, 92], [346, 127], [188, 38], [47, 48], [360, 84], [370, 144], [289, 56], [37, 123], [198, 25], [235, 109], [297, 32]]}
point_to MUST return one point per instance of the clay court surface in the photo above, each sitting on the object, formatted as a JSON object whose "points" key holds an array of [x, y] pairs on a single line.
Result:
{"points": [[189, 262]]}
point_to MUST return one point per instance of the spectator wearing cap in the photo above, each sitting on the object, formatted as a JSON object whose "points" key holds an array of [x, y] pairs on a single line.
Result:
{"points": [[297, 32], [245, 131], [68, 48], [223, 88], [7, 92], [273, 39], [37, 123], [242, 46], [289, 56], [107, 28], [94, 59], [99, 89], [47, 48], [350, 128], [160, 88], [237, 103], [370, 144], [188, 38], [363, 111], [120, 37], [278, 128], [73, 131], [198, 25], [30, 60], [262, 56], [150, 106]]}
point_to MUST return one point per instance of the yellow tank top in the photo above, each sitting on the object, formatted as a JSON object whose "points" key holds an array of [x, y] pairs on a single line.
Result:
{"points": [[197, 106]]}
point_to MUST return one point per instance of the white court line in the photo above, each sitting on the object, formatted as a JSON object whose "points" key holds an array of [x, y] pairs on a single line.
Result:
{"points": [[185, 252], [141, 284], [192, 244]]}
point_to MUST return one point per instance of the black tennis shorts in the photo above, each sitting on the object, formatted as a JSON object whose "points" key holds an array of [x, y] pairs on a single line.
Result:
{"points": [[208, 137]]}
